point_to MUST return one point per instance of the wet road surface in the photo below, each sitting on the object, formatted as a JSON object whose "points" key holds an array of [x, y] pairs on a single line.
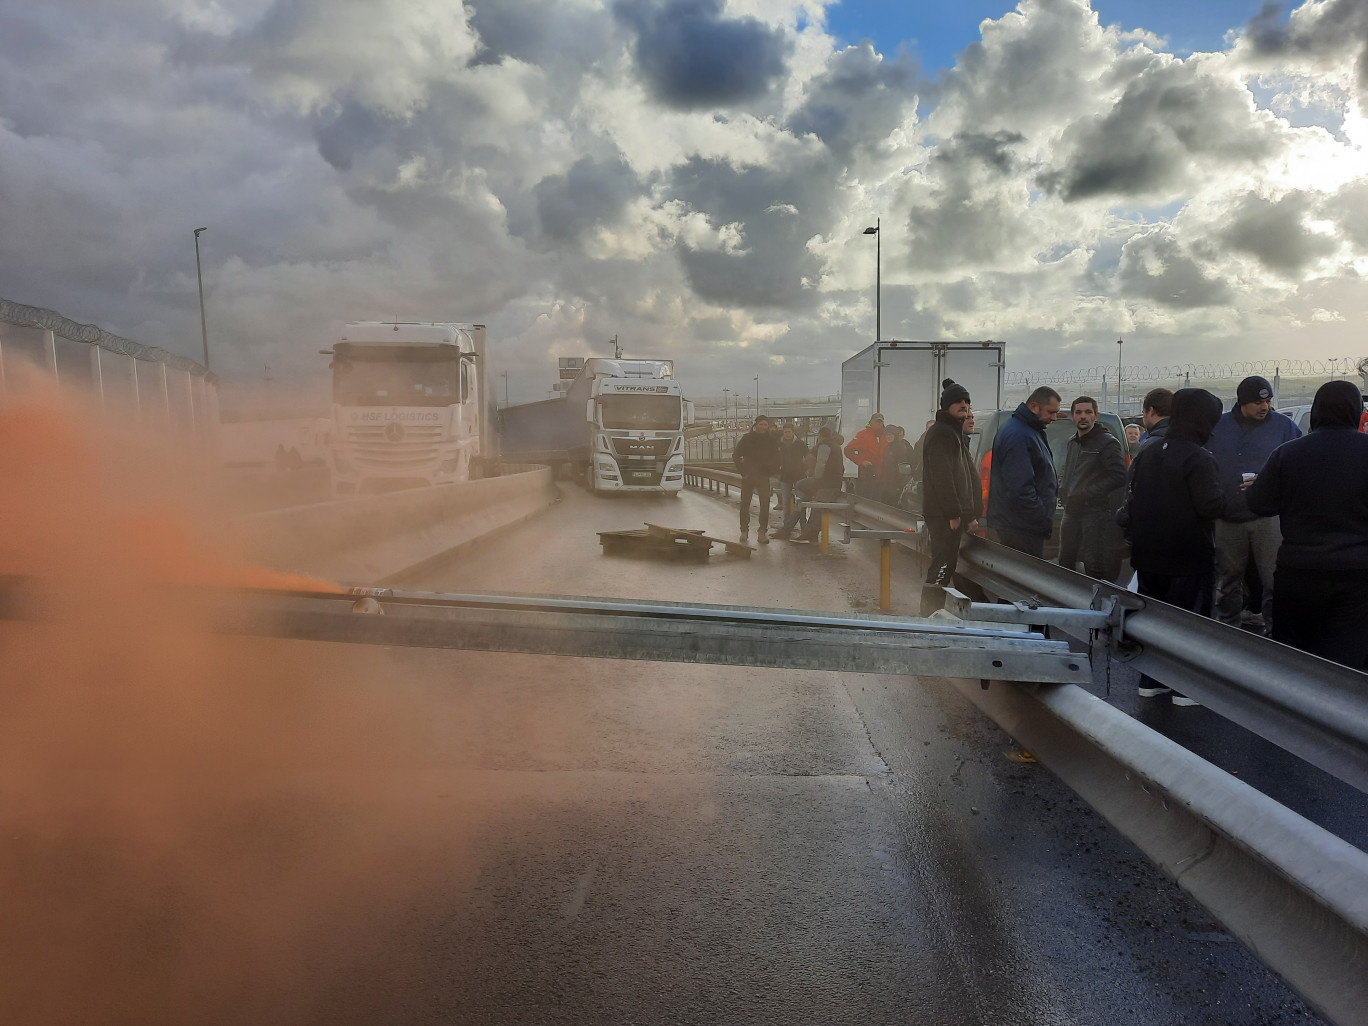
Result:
{"points": [[666, 843]]}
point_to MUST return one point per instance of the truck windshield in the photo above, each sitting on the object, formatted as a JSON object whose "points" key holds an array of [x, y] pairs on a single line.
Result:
{"points": [[396, 382], [641, 412]]}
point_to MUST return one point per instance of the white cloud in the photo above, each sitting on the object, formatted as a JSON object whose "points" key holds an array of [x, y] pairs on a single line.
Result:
{"points": [[511, 161]]}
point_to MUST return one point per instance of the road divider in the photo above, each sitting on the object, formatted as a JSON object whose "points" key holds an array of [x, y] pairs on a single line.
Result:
{"points": [[379, 539]]}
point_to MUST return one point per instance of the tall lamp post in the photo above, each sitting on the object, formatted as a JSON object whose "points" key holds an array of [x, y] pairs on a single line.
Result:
{"points": [[878, 277], [1118, 376], [726, 413], [757, 395], [204, 330]]}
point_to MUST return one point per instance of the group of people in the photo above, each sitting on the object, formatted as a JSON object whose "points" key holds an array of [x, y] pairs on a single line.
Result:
{"points": [[762, 455], [1211, 498], [884, 460]]}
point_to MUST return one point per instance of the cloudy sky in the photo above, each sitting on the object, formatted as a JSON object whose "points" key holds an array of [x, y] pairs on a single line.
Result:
{"points": [[693, 176]]}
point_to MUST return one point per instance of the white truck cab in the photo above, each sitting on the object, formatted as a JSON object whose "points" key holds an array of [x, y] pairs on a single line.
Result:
{"points": [[407, 405]]}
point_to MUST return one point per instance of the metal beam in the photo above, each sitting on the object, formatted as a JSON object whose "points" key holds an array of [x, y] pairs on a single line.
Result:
{"points": [[665, 632]]}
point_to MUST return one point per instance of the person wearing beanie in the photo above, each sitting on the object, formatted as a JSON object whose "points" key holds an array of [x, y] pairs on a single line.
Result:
{"points": [[951, 493], [1317, 487], [1173, 501], [1242, 442]]}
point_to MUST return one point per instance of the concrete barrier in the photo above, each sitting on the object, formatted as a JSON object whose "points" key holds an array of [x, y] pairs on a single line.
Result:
{"points": [[374, 539]]}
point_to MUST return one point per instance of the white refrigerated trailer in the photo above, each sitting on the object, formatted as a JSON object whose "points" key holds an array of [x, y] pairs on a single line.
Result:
{"points": [[902, 380]]}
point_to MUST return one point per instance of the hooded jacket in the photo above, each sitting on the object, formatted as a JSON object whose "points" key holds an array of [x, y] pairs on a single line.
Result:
{"points": [[950, 486], [1160, 430], [1022, 487], [1242, 446], [1318, 485], [1175, 497]]}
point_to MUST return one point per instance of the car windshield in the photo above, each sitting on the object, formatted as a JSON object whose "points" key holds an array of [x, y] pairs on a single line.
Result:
{"points": [[396, 382], [641, 412]]}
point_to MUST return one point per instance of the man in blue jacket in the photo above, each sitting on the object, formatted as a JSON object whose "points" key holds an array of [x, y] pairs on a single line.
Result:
{"points": [[1022, 486], [1243, 440]]}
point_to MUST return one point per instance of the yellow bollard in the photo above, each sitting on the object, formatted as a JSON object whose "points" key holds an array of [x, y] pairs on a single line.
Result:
{"points": [[826, 532], [885, 574]]}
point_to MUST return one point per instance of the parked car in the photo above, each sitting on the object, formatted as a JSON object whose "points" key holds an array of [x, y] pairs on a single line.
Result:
{"points": [[986, 426]]}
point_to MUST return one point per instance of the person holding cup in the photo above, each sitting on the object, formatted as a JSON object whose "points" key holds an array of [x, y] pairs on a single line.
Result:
{"points": [[1243, 440]]}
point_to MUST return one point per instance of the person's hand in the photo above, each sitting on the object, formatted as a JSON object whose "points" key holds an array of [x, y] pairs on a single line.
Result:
{"points": [[954, 524], [973, 526], [1246, 480]]}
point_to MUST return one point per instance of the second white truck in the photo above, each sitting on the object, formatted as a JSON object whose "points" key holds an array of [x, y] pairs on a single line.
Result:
{"points": [[620, 426]]}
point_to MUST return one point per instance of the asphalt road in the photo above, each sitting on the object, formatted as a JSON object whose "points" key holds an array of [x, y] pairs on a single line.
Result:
{"points": [[664, 843], [234, 830]]}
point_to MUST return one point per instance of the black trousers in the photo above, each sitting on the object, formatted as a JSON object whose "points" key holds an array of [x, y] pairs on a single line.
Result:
{"points": [[1324, 612], [1031, 544], [1083, 536], [759, 487], [945, 543], [1195, 593]]}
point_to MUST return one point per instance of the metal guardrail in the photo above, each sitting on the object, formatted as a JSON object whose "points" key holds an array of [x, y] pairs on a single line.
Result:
{"points": [[1311, 707], [1292, 892]]}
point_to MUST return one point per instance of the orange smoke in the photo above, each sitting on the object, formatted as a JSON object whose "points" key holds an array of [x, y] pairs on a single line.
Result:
{"points": [[193, 828]]}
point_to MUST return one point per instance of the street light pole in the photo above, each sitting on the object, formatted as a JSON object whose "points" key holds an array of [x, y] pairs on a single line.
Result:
{"points": [[878, 277], [204, 329], [1118, 376], [757, 395]]}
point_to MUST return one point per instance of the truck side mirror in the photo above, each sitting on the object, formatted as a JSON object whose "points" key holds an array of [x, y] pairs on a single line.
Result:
{"points": [[589, 410], [688, 412]]}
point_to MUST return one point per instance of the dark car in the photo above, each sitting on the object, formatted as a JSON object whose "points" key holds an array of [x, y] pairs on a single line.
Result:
{"points": [[986, 425]]}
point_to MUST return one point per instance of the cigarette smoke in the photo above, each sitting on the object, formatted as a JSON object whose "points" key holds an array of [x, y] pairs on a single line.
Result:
{"points": [[193, 828]]}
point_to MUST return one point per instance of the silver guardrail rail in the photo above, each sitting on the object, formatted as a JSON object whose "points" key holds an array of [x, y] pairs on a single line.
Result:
{"points": [[1292, 892]]}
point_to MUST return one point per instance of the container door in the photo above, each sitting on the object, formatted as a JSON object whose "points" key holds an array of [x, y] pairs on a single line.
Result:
{"points": [[857, 395], [909, 385], [977, 367]]}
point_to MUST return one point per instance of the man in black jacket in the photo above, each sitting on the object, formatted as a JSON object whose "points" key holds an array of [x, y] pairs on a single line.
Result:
{"points": [[757, 460], [1172, 506], [1094, 468], [792, 464], [951, 493], [1318, 486]]}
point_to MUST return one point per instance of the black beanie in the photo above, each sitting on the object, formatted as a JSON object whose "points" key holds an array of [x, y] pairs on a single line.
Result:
{"points": [[1253, 389], [953, 393]]}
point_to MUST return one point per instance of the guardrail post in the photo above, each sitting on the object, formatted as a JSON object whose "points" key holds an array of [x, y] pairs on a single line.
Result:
{"points": [[826, 532], [885, 574]]}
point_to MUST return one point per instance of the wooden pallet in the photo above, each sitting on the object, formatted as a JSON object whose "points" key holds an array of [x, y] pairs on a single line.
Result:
{"points": [[668, 543]]}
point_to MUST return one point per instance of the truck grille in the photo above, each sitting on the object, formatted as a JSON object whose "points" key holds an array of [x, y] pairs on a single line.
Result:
{"points": [[635, 447], [373, 448]]}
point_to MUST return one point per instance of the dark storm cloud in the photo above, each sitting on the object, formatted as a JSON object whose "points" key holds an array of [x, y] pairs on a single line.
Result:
{"points": [[1171, 123], [1275, 232], [692, 57], [590, 193], [1338, 27], [542, 32], [1157, 266], [351, 129], [992, 151], [779, 210], [858, 100]]}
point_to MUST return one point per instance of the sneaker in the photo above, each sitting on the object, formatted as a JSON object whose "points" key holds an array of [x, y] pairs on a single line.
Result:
{"points": [[1153, 691], [1183, 700], [763, 539]]}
